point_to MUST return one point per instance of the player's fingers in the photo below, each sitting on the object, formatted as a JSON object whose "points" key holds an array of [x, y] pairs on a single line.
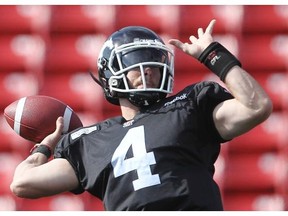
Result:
{"points": [[193, 39], [200, 32], [54, 137], [210, 27], [176, 43], [59, 125]]}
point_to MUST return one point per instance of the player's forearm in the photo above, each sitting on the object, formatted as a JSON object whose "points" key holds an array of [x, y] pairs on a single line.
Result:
{"points": [[248, 92], [242, 85]]}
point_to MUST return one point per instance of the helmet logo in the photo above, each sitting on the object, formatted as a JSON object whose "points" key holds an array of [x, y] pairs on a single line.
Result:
{"points": [[147, 40], [109, 44]]}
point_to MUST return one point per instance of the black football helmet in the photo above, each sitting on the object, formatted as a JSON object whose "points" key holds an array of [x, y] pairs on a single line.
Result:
{"points": [[129, 48]]}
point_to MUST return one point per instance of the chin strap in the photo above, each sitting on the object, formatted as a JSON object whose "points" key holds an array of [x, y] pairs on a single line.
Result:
{"points": [[145, 99], [95, 79]]}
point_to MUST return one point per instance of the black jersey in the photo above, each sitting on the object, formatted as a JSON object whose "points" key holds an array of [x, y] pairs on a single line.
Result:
{"points": [[163, 159]]}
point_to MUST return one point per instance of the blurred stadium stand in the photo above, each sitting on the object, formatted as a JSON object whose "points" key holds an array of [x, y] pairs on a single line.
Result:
{"points": [[50, 49]]}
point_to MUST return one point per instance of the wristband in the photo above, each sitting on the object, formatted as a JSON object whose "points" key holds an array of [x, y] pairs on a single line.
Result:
{"points": [[218, 59], [42, 148]]}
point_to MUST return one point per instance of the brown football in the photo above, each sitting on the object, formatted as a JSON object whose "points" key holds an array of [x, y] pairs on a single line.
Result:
{"points": [[34, 117]]}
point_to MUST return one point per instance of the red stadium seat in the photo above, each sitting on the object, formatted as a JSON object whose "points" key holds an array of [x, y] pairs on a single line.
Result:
{"points": [[72, 53], [275, 84], [271, 135], [285, 98], [24, 19], [110, 110], [90, 117], [253, 201], [62, 202], [82, 19], [228, 18], [15, 85], [7, 202], [190, 77], [159, 18], [275, 21], [8, 162], [264, 52], [22, 52], [92, 203], [10, 141], [185, 63], [255, 172], [78, 90]]}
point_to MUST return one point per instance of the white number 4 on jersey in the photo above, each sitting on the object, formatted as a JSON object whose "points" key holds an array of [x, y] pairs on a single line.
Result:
{"points": [[140, 161]]}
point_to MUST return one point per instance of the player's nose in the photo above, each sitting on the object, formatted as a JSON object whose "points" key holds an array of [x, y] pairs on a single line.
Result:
{"points": [[148, 71]]}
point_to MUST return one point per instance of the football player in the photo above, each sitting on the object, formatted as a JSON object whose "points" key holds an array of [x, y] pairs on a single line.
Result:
{"points": [[160, 153]]}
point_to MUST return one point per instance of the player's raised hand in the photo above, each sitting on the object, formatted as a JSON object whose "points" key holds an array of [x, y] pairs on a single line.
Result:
{"points": [[198, 44]]}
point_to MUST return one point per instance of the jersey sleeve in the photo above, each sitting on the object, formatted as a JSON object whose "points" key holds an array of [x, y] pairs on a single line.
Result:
{"points": [[207, 95], [64, 150], [81, 149]]}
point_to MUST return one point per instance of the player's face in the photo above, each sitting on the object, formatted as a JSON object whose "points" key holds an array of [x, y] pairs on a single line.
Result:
{"points": [[152, 77]]}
